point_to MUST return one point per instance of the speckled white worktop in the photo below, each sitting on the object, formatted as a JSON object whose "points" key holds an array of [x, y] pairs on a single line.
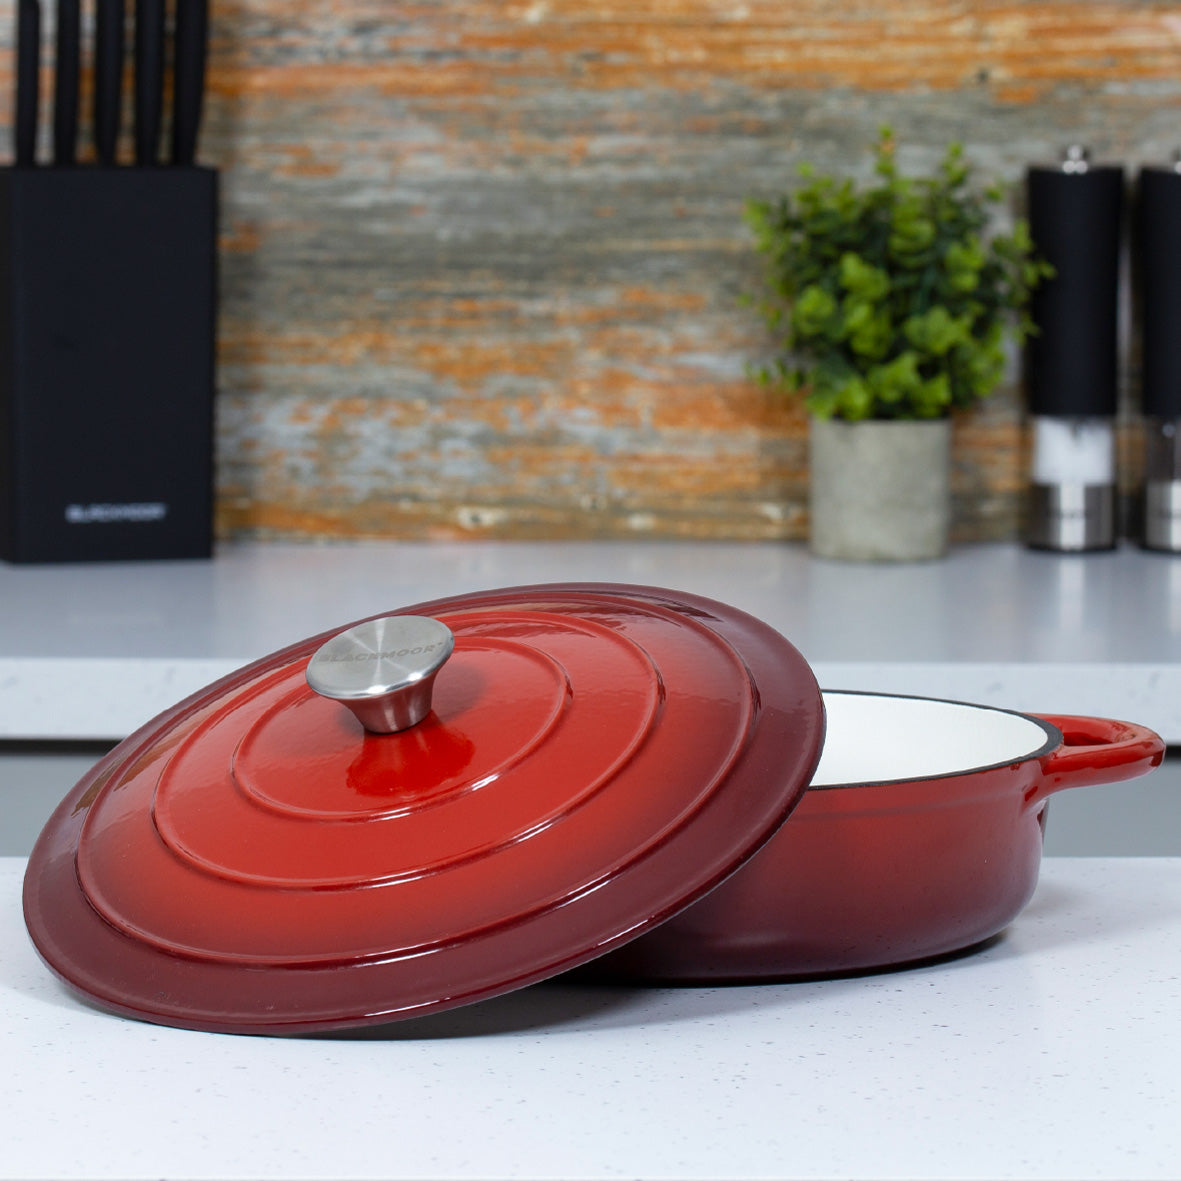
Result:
{"points": [[1055, 1052], [93, 651]]}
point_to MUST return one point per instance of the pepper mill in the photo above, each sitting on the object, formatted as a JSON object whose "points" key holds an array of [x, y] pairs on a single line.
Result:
{"points": [[1075, 219], [1158, 257]]}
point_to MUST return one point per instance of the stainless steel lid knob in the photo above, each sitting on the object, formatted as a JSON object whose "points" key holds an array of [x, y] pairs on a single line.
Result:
{"points": [[383, 670]]}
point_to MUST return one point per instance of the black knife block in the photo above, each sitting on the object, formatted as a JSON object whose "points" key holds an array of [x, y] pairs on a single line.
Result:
{"points": [[107, 332]]}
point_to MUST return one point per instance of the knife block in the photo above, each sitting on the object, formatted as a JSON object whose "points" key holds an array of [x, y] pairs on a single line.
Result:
{"points": [[107, 331]]}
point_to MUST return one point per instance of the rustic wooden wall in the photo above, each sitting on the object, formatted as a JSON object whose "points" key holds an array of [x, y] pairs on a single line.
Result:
{"points": [[482, 259]]}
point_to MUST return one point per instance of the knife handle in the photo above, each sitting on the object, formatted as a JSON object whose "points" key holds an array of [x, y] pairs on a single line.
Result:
{"points": [[149, 78], [28, 79], [108, 77], [65, 82], [192, 34]]}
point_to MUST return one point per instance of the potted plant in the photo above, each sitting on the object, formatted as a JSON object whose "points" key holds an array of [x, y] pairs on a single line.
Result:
{"points": [[890, 305]]}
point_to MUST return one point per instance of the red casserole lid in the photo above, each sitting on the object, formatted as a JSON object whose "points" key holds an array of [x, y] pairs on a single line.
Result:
{"points": [[272, 857]]}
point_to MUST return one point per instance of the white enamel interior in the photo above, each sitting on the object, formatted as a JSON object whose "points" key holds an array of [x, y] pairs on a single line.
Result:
{"points": [[872, 738]]}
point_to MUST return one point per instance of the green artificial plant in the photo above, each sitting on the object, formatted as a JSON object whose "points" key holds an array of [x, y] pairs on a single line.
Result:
{"points": [[892, 301]]}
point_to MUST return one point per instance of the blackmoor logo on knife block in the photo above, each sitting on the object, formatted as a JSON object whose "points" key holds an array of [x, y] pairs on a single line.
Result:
{"points": [[103, 514]]}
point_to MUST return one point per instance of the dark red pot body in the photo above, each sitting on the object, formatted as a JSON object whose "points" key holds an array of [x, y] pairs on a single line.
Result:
{"points": [[872, 875]]}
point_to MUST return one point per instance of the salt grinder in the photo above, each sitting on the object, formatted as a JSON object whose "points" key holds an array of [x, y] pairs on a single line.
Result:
{"points": [[1158, 257], [1075, 217]]}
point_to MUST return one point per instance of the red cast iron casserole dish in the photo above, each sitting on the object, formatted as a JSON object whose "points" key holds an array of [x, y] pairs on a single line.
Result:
{"points": [[352, 831]]}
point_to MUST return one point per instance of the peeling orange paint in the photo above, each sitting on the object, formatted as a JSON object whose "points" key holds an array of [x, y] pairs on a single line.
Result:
{"points": [[761, 43], [302, 161]]}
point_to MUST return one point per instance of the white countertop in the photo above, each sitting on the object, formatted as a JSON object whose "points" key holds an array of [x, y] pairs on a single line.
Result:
{"points": [[92, 651], [1055, 1052]]}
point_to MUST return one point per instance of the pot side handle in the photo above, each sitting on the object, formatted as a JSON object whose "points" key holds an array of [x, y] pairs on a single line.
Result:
{"points": [[1096, 750]]}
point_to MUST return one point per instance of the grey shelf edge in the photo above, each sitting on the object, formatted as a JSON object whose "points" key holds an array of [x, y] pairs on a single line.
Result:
{"points": [[92, 652]]}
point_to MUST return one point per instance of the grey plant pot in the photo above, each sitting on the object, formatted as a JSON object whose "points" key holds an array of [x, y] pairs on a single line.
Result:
{"points": [[880, 491]]}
